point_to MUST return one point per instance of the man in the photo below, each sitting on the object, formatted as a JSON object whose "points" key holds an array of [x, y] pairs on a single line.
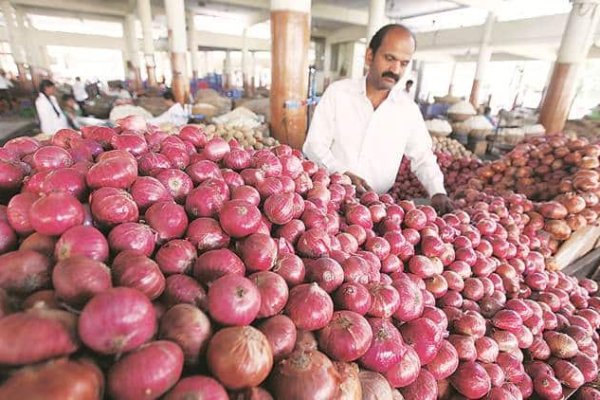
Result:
{"points": [[408, 86], [5, 85], [363, 127], [49, 113], [79, 93], [175, 115]]}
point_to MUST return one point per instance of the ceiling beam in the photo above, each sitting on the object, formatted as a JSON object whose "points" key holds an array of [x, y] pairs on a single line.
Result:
{"points": [[257, 18], [490, 5], [339, 14], [97, 8]]}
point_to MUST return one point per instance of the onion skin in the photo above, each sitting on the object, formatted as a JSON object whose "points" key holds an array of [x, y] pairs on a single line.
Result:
{"points": [[57, 379], [197, 387], [240, 357], [117, 320], [233, 300], [190, 328], [148, 372], [350, 385], [471, 380], [309, 306], [374, 386], [305, 375], [24, 271], [424, 388], [347, 337], [281, 334], [37, 335], [78, 279]]}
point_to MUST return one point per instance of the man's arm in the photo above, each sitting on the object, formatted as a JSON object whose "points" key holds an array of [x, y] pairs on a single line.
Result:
{"points": [[419, 149], [317, 146]]}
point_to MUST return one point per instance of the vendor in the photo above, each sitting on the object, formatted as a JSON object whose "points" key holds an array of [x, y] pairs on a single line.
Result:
{"points": [[175, 115], [363, 127], [80, 94], [75, 116], [49, 113]]}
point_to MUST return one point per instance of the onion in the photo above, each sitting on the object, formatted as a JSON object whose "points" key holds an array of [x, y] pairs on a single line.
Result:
{"points": [[568, 374], [258, 252], [411, 305], [117, 320], [168, 219], [471, 380], [233, 300], [132, 236], [24, 271], [385, 300], [134, 270], [561, 345], [240, 357], [314, 243], [291, 268], [239, 218], [305, 374], [206, 234], [110, 207], [374, 386], [424, 336], [273, 292], [281, 334], [470, 324], [36, 335], [83, 241], [197, 386], [204, 202], [115, 170], [159, 365], [487, 349], [424, 388], [147, 190], [17, 212], [347, 336], [190, 328], [548, 387], [56, 379], [77, 279], [326, 272], [176, 257], [587, 366], [445, 362], [309, 306], [279, 208], [213, 264], [54, 213], [184, 289], [353, 297]]}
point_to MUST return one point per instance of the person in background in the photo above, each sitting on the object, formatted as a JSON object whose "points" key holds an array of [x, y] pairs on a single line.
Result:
{"points": [[75, 117], [487, 113], [49, 113], [5, 85], [408, 86], [175, 115], [363, 127], [79, 93]]}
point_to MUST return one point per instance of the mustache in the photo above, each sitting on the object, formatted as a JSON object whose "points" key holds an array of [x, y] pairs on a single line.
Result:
{"points": [[390, 74]]}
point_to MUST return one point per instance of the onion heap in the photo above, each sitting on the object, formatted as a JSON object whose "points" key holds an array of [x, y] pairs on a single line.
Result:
{"points": [[177, 266]]}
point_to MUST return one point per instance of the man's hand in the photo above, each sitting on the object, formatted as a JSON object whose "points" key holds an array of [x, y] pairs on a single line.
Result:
{"points": [[361, 185], [442, 203]]}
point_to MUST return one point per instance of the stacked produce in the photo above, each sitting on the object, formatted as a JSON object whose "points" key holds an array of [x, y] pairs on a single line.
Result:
{"points": [[151, 265], [451, 146], [457, 170], [247, 137], [561, 174]]}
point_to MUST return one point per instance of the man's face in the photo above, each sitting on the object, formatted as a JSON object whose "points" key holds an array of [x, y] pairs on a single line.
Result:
{"points": [[50, 90], [388, 64]]}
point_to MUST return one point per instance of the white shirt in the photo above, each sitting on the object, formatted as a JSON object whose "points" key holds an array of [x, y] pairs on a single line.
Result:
{"points": [[5, 83], [49, 121], [346, 134], [175, 115], [79, 91]]}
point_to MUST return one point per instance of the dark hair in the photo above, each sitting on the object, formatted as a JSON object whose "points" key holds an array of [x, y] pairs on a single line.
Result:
{"points": [[66, 97], [409, 82], [46, 83], [378, 37], [487, 110], [168, 95]]}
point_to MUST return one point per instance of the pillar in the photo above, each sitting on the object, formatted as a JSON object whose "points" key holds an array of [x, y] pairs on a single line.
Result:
{"points": [[227, 71], [452, 78], [253, 72], [178, 46], [485, 54], [327, 64], [145, 15], [574, 47], [133, 65], [377, 17], [420, 67], [26, 33], [290, 35], [193, 44], [12, 34], [245, 63]]}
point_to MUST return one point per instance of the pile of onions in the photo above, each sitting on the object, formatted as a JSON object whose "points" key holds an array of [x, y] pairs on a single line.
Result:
{"points": [[164, 256]]}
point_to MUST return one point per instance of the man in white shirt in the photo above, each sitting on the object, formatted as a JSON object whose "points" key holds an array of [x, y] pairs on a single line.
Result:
{"points": [[363, 127], [175, 115], [79, 93], [49, 113]]}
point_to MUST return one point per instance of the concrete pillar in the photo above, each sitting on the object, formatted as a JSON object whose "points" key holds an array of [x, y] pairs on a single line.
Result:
{"points": [[145, 15], [575, 45], [485, 54], [133, 65], [377, 17], [253, 72], [227, 71], [13, 36], [419, 84], [245, 63], [290, 36], [452, 78], [25, 32], [178, 46], [192, 43]]}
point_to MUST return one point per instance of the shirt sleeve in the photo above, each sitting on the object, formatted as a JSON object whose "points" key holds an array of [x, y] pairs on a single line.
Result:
{"points": [[43, 109], [419, 149], [317, 146]]}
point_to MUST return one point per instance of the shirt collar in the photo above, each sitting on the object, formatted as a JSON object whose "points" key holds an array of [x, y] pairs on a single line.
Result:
{"points": [[394, 95]]}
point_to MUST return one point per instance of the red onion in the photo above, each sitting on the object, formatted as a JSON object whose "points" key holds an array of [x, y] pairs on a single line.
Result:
{"points": [[184, 289], [424, 336], [176, 257], [233, 300], [117, 320], [411, 304], [110, 207], [24, 271], [202, 387], [83, 241], [239, 218], [471, 380], [168, 219], [17, 212], [258, 252], [309, 306], [347, 336], [386, 349], [132, 236], [281, 334], [54, 213], [273, 292], [77, 279], [424, 388], [385, 300]]}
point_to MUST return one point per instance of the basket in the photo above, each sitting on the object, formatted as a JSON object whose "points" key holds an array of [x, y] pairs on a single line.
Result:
{"points": [[439, 133]]}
